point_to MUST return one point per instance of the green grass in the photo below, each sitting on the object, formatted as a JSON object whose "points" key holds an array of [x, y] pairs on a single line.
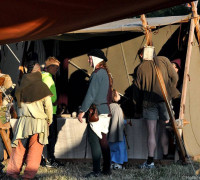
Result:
{"points": [[77, 170]]}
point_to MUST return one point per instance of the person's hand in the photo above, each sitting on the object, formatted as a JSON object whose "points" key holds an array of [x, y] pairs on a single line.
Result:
{"points": [[80, 116], [166, 122]]}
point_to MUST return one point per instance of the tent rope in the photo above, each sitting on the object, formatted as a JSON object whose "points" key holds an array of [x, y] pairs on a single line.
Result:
{"points": [[13, 53]]}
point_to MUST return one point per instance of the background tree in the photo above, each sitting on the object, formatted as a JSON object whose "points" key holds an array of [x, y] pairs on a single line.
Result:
{"points": [[183, 9]]}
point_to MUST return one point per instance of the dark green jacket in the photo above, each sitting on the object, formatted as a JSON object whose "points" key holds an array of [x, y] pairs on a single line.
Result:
{"points": [[147, 90]]}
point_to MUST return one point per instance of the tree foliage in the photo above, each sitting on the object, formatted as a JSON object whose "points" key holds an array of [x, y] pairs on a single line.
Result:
{"points": [[173, 11]]}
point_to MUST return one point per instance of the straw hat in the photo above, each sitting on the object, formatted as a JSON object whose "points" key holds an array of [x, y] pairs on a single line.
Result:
{"points": [[52, 61]]}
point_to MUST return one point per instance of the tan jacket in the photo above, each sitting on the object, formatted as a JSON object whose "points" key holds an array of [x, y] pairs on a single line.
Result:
{"points": [[34, 119]]}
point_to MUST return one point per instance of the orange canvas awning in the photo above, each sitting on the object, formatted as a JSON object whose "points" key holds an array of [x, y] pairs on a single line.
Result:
{"points": [[29, 20]]}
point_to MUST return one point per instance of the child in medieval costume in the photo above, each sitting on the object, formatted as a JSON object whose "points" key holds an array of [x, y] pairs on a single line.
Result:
{"points": [[116, 137]]}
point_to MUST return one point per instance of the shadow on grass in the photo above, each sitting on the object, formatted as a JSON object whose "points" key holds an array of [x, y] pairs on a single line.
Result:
{"points": [[77, 170]]}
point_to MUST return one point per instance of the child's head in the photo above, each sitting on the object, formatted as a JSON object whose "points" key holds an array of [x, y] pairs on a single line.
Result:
{"points": [[115, 96]]}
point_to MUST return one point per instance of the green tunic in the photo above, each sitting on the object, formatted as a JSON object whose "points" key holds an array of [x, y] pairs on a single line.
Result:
{"points": [[48, 80]]}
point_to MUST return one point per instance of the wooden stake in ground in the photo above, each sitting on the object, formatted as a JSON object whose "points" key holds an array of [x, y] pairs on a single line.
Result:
{"points": [[170, 111]]}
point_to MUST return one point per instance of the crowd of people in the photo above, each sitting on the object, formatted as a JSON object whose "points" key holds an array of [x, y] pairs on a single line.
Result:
{"points": [[35, 136]]}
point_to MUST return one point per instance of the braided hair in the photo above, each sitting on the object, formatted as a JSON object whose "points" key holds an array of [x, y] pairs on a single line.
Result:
{"points": [[103, 65]]}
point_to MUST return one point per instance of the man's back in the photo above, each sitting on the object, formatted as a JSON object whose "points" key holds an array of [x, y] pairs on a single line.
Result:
{"points": [[147, 82]]}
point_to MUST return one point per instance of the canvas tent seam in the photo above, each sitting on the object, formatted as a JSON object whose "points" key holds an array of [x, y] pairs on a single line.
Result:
{"points": [[124, 59]]}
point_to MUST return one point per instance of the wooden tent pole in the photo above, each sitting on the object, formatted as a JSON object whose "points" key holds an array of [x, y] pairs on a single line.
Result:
{"points": [[171, 115], [186, 71], [147, 30], [164, 93], [196, 19]]}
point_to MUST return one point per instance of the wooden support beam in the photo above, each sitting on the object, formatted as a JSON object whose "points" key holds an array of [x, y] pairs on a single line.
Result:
{"points": [[196, 19], [165, 95], [186, 70], [147, 30], [170, 111], [186, 77]]}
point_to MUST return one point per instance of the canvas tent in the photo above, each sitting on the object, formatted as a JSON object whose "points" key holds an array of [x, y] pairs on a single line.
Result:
{"points": [[191, 132], [120, 41], [36, 19]]}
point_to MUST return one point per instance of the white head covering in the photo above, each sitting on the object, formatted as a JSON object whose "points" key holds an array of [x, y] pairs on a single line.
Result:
{"points": [[96, 61]]}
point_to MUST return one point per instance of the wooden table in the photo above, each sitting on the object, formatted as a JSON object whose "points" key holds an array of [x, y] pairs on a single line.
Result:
{"points": [[72, 140]]}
